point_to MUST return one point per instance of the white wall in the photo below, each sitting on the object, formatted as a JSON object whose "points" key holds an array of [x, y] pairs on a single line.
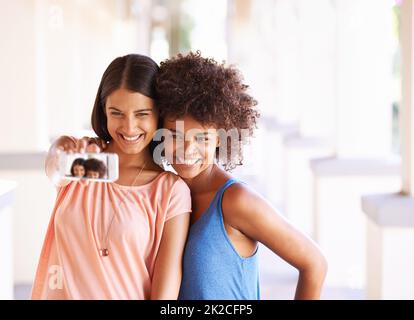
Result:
{"points": [[53, 55]]}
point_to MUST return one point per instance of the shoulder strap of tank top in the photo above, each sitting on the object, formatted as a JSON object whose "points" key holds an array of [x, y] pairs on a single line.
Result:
{"points": [[227, 184]]}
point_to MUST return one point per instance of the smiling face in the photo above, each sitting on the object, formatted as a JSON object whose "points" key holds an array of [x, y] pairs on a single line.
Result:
{"points": [[131, 120], [191, 148], [79, 171]]}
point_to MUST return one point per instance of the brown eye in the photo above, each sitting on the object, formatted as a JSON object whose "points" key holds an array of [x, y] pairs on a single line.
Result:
{"points": [[177, 136], [203, 139]]}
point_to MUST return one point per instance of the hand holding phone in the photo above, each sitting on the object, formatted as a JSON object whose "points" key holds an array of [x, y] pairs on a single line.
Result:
{"points": [[57, 159], [72, 145]]}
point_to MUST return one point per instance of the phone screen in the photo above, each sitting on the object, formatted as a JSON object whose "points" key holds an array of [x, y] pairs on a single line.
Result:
{"points": [[91, 166]]}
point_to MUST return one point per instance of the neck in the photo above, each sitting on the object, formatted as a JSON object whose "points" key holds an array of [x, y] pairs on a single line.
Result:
{"points": [[129, 160], [204, 180]]}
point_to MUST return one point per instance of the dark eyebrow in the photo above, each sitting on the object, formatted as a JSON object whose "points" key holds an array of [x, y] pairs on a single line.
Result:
{"points": [[175, 131], [139, 110], [198, 134], [143, 110]]}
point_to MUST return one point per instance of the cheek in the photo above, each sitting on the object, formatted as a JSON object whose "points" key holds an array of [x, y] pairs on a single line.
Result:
{"points": [[149, 125], [169, 149], [209, 152], [111, 125]]}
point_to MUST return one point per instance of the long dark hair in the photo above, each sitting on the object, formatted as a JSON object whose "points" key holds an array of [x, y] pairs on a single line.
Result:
{"points": [[134, 72], [76, 162]]}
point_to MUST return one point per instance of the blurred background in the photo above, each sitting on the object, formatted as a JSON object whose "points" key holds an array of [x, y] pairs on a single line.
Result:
{"points": [[334, 147]]}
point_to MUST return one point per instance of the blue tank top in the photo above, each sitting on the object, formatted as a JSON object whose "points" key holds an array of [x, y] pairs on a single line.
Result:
{"points": [[212, 268]]}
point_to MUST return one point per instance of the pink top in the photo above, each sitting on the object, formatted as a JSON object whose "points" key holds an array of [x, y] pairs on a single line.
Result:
{"points": [[71, 266]]}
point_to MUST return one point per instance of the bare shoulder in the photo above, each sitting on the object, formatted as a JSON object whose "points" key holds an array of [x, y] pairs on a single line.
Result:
{"points": [[239, 194], [240, 204], [171, 177], [170, 181]]}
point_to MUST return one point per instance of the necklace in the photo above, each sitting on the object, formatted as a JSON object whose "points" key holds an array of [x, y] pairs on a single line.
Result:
{"points": [[104, 251]]}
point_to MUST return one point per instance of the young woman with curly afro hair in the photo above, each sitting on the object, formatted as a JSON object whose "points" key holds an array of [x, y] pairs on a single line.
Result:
{"points": [[208, 112]]}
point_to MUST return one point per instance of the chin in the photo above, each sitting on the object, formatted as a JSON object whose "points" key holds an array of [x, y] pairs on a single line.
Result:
{"points": [[186, 173], [133, 149]]}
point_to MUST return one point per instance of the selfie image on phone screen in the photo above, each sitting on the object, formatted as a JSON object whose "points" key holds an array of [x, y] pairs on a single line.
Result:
{"points": [[91, 166]]}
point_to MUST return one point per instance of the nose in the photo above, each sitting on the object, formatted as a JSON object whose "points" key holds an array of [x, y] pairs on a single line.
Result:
{"points": [[130, 124], [190, 148]]}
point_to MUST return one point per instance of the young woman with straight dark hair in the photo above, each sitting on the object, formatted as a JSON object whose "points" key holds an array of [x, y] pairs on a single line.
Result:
{"points": [[120, 240]]}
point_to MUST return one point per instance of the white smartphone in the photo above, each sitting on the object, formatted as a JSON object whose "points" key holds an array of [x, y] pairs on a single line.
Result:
{"points": [[91, 166]]}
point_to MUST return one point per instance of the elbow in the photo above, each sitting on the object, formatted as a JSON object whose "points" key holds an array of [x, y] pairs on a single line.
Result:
{"points": [[316, 268], [319, 267], [323, 266]]}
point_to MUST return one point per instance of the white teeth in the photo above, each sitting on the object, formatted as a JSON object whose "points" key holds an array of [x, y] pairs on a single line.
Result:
{"points": [[189, 161], [134, 138]]}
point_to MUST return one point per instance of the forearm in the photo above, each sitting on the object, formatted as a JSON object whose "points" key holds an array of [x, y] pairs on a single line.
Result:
{"points": [[52, 158], [310, 282], [166, 286], [166, 280], [51, 162]]}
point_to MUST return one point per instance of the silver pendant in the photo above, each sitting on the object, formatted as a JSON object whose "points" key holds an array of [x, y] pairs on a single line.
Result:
{"points": [[104, 252]]}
